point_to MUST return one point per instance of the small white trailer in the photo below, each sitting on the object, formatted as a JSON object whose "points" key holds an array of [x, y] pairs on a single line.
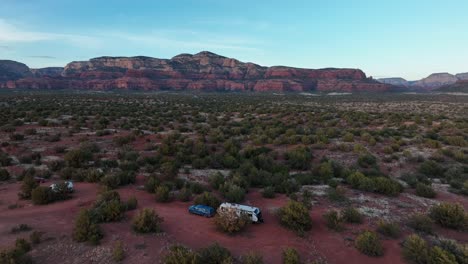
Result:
{"points": [[253, 213]]}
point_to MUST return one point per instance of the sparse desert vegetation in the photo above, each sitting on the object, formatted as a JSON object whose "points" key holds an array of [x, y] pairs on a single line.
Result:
{"points": [[357, 174]]}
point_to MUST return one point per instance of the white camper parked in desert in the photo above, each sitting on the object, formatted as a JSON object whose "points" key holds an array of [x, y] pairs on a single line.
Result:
{"points": [[253, 213]]}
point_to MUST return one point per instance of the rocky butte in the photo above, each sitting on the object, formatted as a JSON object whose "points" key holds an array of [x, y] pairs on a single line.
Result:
{"points": [[204, 71]]}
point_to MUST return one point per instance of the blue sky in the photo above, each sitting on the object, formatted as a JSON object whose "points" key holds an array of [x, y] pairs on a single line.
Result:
{"points": [[411, 38]]}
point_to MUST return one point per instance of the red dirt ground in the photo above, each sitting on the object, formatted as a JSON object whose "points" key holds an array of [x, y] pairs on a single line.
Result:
{"points": [[268, 239]]}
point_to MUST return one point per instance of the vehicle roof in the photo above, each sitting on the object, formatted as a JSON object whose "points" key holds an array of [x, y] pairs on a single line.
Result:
{"points": [[241, 207], [203, 206]]}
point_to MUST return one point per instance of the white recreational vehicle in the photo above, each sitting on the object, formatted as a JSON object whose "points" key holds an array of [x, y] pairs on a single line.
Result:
{"points": [[254, 213]]}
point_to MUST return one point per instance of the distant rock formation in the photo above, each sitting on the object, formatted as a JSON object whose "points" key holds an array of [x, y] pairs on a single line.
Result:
{"points": [[433, 81], [460, 86], [204, 71]]}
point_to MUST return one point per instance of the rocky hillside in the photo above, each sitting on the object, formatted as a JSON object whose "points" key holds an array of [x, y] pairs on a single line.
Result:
{"points": [[460, 87], [433, 81], [12, 71], [204, 71]]}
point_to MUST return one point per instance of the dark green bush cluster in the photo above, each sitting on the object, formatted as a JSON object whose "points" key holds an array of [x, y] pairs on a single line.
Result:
{"points": [[4, 175], [369, 244], [112, 181], [86, 229], [233, 193], [380, 185], [420, 223], [352, 215], [367, 160], [417, 250], [299, 158], [27, 186], [214, 253], [108, 207], [291, 256], [334, 220], [451, 215], [389, 229], [425, 191], [295, 216], [118, 252], [147, 221], [208, 199], [18, 254]]}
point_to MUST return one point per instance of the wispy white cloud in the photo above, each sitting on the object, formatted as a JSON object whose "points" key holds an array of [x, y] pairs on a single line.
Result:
{"points": [[164, 38], [10, 33]]}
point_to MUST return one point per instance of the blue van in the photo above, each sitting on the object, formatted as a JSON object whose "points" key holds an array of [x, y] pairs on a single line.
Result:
{"points": [[203, 210]]}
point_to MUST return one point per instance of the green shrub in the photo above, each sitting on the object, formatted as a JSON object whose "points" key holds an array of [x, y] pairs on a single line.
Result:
{"points": [[387, 186], [23, 245], [196, 188], [352, 215], [333, 220], [20, 228], [389, 229], [27, 186], [438, 255], [415, 250], [424, 190], [151, 184], [299, 158], [85, 230], [431, 169], [207, 199], [77, 158], [118, 252], [147, 221], [450, 215], [252, 258], [108, 207], [184, 195], [111, 181], [35, 237], [295, 216], [337, 195], [180, 255], [42, 195], [15, 256], [216, 180], [162, 194], [367, 160], [214, 254], [228, 221], [4, 175], [233, 193], [132, 203], [269, 192], [459, 251], [291, 256], [420, 223], [369, 244]]}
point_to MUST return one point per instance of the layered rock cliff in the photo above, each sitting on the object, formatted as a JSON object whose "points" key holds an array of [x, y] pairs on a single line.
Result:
{"points": [[204, 71], [432, 82]]}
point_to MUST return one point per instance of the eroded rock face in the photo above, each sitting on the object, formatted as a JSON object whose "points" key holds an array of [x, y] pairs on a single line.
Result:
{"points": [[204, 71], [436, 80], [12, 70], [47, 72]]}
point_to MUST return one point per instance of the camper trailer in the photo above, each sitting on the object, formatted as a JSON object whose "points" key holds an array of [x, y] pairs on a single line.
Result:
{"points": [[254, 213]]}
